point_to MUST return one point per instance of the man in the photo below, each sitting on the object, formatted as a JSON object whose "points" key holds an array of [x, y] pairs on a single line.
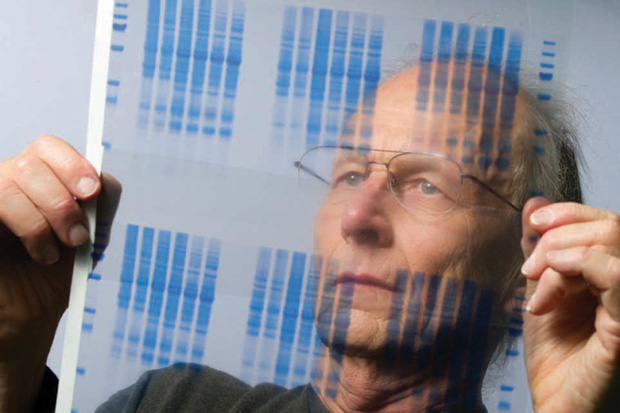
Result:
{"points": [[418, 202]]}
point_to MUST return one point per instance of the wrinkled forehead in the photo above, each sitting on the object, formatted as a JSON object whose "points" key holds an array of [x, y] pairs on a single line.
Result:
{"points": [[474, 125]]}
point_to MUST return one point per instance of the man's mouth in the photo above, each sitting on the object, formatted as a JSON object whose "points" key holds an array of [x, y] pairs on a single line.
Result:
{"points": [[364, 280]]}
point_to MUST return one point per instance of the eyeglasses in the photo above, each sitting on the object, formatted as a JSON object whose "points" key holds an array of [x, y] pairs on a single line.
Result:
{"points": [[420, 182]]}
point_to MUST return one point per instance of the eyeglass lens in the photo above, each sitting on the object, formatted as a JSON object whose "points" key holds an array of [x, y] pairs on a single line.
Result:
{"points": [[419, 182]]}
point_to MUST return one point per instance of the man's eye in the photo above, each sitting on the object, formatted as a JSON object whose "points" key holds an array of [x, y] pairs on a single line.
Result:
{"points": [[351, 179], [428, 188], [419, 186]]}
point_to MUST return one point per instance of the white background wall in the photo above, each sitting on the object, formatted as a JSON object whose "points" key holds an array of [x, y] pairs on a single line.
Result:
{"points": [[46, 54]]}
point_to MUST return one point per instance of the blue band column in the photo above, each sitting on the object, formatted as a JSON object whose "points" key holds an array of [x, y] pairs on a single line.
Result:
{"points": [[474, 84], [474, 87], [139, 301], [440, 355], [257, 304], [444, 52], [341, 323], [206, 297], [165, 63], [491, 98], [125, 289], [461, 55], [355, 69], [158, 286], [201, 54], [175, 286], [274, 310], [289, 319], [319, 76], [151, 47], [302, 67], [325, 310], [306, 323], [426, 334], [283, 80], [427, 55], [414, 312], [510, 89], [372, 75], [233, 62], [216, 63], [181, 70], [475, 370], [336, 78], [515, 331], [392, 347], [190, 294]]}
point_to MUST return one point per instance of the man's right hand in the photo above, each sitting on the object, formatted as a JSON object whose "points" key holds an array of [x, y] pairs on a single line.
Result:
{"points": [[41, 223]]}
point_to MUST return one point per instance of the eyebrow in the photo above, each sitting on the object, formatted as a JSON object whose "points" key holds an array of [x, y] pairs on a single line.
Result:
{"points": [[351, 155]]}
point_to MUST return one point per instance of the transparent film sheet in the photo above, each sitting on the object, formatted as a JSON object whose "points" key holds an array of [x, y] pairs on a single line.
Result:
{"points": [[311, 183]]}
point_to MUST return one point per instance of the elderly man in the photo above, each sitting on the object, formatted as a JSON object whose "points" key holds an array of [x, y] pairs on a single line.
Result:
{"points": [[420, 207]]}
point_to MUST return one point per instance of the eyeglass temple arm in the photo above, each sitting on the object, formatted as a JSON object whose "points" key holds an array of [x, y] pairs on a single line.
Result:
{"points": [[493, 191], [298, 165]]}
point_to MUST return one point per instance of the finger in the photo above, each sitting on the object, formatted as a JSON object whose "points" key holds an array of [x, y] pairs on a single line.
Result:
{"points": [[39, 183], [72, 169], [25, 221], [551, 289], [107, 205], [530, 235], [555, 215], [604, 232], [598, 268]]}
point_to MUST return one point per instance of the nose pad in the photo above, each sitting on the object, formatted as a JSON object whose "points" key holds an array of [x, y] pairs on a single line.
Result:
{"points": [[392, 181]]}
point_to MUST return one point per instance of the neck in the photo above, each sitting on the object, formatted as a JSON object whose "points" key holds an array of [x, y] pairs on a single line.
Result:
{"points": [[352, 383]]}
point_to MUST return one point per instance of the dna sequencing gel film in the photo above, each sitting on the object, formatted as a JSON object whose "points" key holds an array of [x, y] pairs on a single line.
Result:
{"points": [[244, 132]]}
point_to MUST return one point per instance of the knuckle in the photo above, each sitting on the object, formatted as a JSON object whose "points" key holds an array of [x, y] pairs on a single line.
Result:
{"points": [[609, 229], [5, 164], [614, 227], [573, 208], [43, 142], [23, 164], [585, 254], [567, 209], [62, 206], [73, 164], [603, 249], [7, 189]]}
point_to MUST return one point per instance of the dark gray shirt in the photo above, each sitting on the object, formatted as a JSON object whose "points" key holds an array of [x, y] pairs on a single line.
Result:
{"points": [[195, 388]]}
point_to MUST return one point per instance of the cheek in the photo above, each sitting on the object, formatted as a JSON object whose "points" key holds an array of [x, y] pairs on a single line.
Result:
{"points": [[436, 244]]}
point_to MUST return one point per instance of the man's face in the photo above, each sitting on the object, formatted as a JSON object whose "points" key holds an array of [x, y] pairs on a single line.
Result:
{"points": [[369, 239]]}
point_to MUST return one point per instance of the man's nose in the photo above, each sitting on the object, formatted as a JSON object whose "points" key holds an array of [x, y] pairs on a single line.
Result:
{"points": [[365, 219]]}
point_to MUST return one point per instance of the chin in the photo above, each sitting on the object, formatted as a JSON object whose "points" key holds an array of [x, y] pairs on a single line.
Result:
{"points": [[353, 332]]}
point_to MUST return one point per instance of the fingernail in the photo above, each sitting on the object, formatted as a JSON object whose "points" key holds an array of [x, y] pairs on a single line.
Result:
{"points": [[530, 303], [540, 217], [86, 186], [528, 266], [78, 234], [51, 254]]}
